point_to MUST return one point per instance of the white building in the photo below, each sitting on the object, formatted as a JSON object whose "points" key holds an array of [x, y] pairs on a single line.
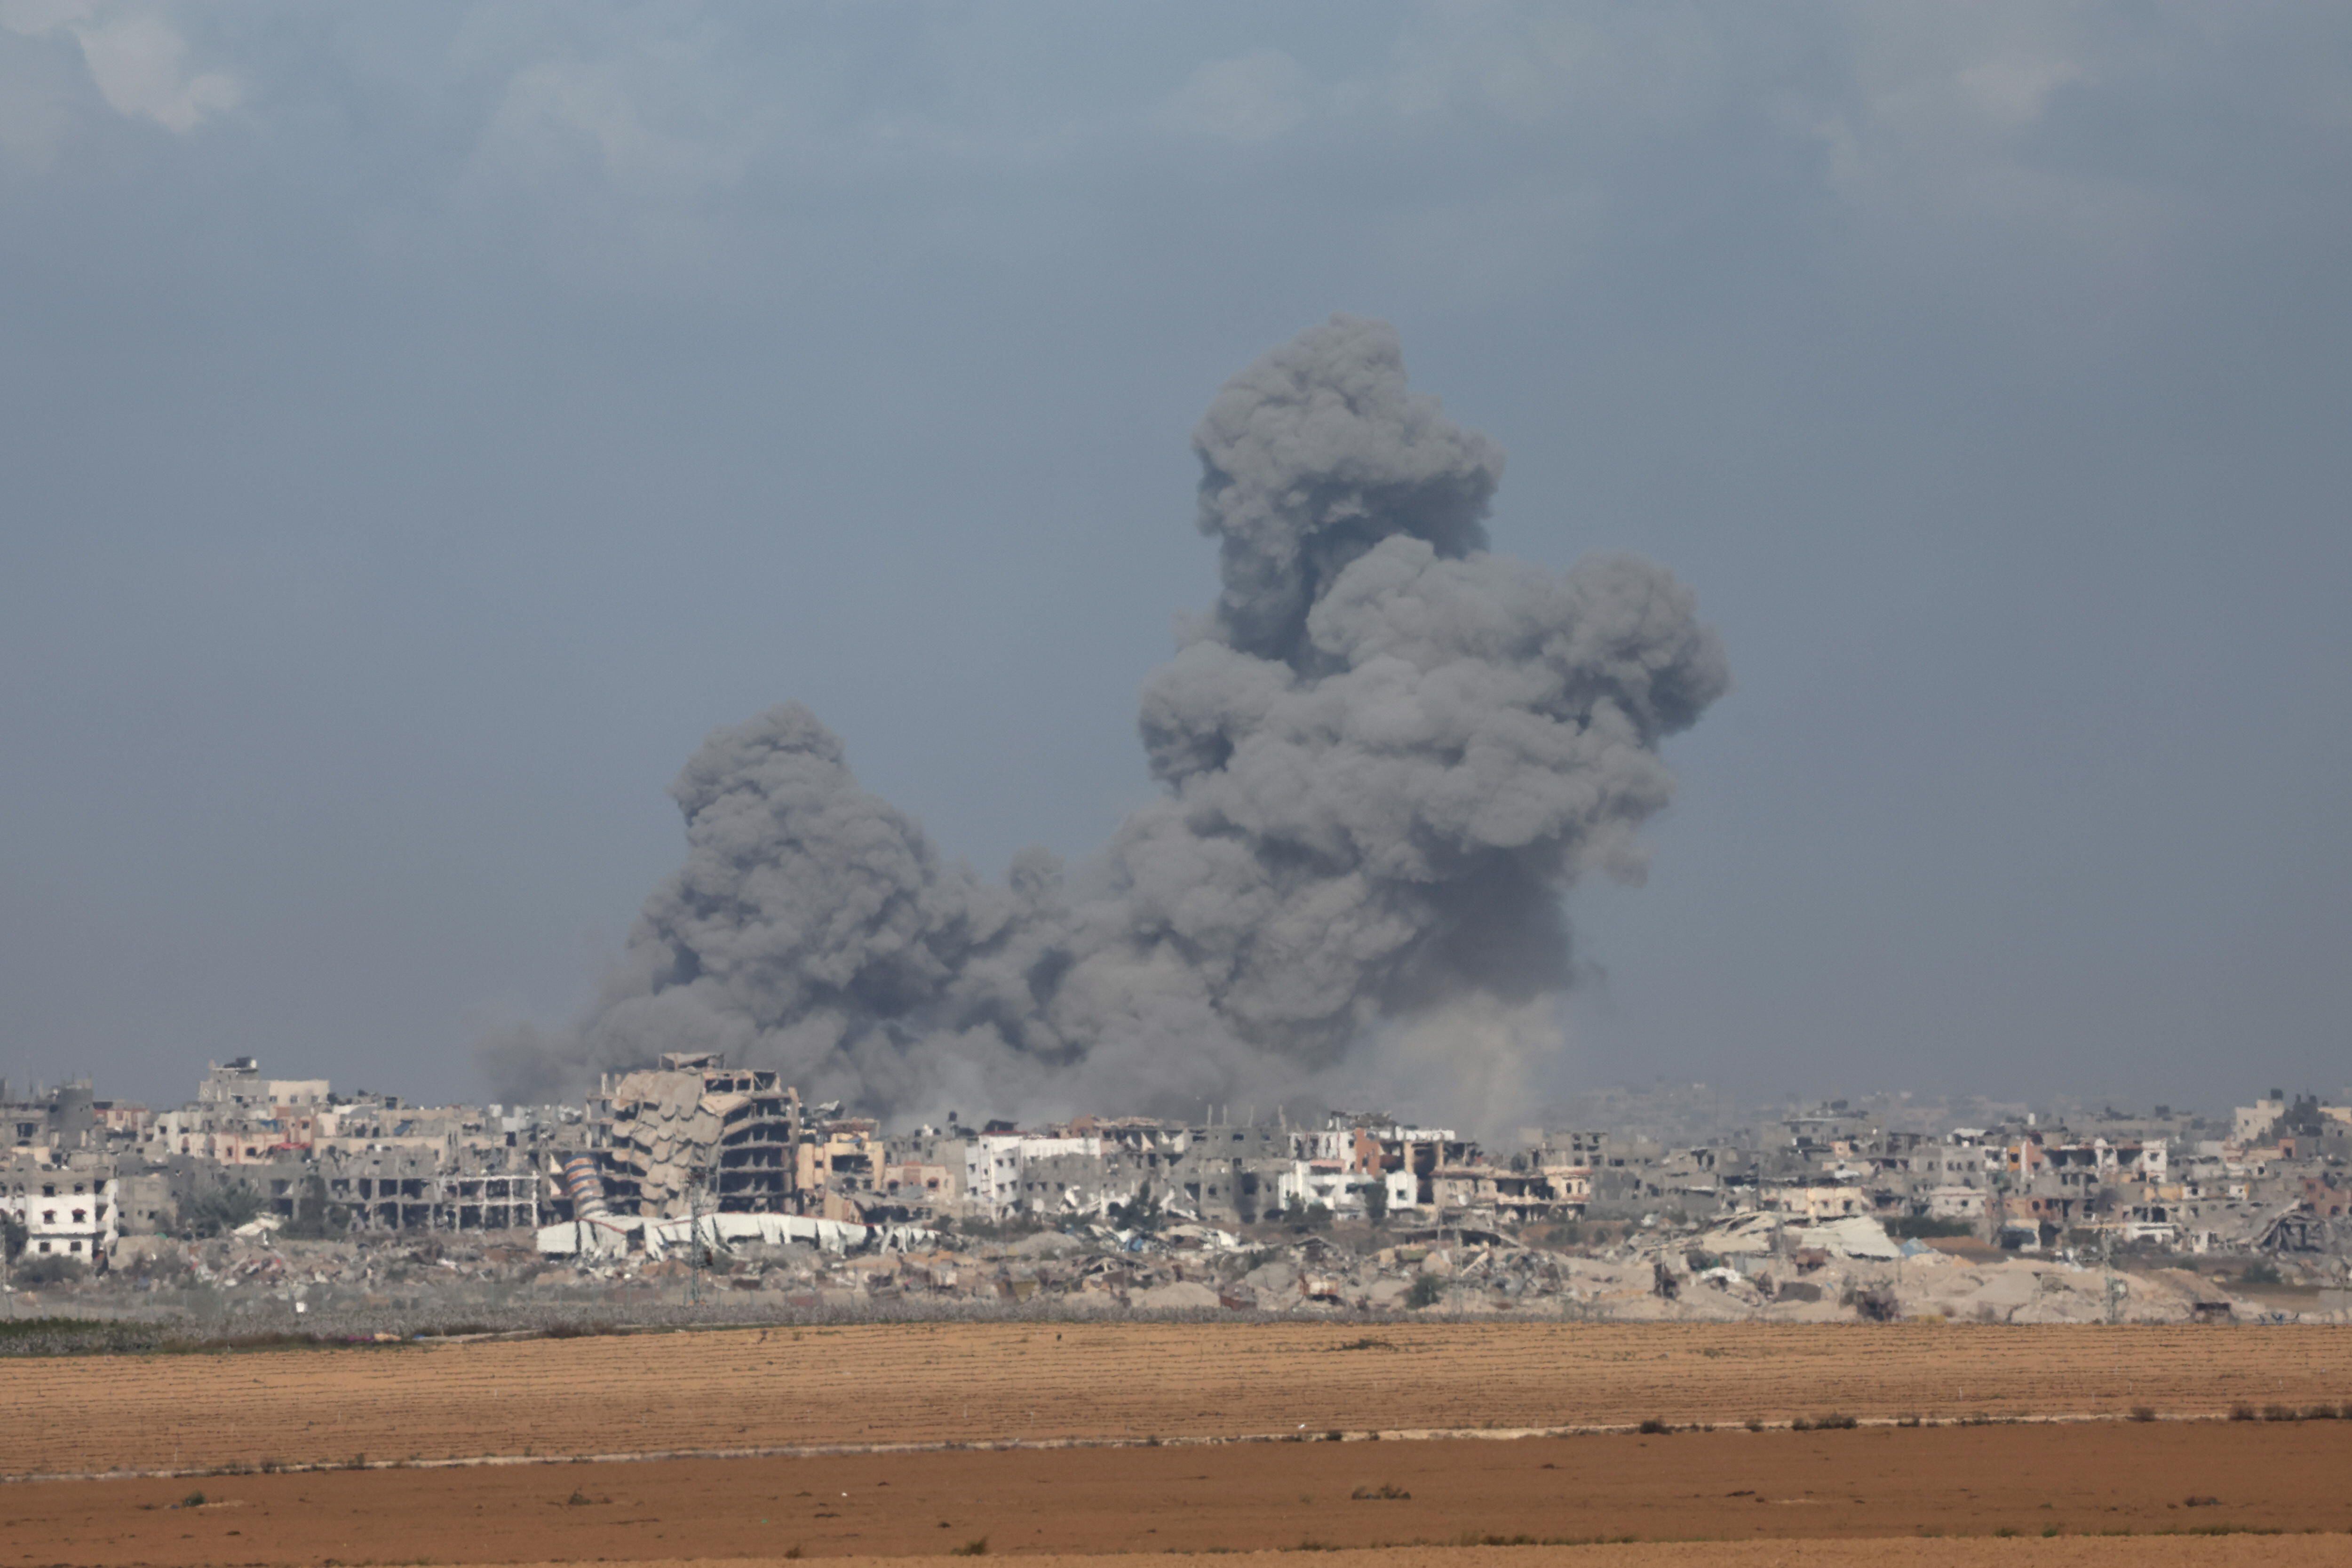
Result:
{"points": [[68, 1211], [993, 1164], [1329, 1182]]}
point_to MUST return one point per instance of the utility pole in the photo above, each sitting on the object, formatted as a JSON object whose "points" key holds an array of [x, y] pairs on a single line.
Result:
{"points": [[2115, 1287], [698, 1255]]}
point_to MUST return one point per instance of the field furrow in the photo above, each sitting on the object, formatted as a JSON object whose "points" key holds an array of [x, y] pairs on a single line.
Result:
{"points": [[901, 1384]]}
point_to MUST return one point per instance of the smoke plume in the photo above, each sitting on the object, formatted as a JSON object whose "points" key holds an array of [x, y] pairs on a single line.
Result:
{"points": [[1384, 755]]}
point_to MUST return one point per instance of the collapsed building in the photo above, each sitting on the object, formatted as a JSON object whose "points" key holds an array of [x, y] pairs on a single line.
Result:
{"points": [[694, 1127], [690, 1136]]}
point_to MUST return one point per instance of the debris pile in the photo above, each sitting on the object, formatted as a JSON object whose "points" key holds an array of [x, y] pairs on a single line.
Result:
{"points": [[262, 1282]]}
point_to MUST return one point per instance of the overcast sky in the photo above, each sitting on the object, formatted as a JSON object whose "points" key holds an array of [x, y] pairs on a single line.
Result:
{"points": [[422, 424]]}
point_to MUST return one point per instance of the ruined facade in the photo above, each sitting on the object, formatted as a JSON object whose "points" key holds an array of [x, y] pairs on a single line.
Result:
{"points": [[693, 1129]]}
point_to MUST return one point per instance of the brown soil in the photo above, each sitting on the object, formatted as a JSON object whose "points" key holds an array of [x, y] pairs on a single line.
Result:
{"points": [[902, 1383], [2074, 1480], [2064, 1552]]}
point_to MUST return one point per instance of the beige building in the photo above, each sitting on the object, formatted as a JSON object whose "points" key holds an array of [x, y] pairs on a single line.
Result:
{"points": [[695, 1130]]}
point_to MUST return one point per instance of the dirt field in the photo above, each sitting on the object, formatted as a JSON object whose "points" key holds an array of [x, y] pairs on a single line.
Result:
{"points": [[2223, 1551], [782, 1389], [2073, 1480]]}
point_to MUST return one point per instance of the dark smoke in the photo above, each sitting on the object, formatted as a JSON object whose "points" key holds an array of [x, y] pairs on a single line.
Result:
{"points": [[1385, 755]]}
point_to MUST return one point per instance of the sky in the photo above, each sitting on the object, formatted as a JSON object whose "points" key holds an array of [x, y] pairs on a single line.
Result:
{"points": [[421, 425]]}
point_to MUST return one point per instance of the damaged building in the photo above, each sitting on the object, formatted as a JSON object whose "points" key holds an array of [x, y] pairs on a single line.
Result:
{"points": [[693, 1129]]}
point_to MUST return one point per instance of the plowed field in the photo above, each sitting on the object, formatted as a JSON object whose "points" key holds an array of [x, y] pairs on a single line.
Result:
{"points": [[787, 1389], [1888, 1482], [2223, 1552]]}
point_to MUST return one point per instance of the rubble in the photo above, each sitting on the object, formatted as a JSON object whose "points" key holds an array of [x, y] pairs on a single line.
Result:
{"points": [[692, 1192], [239, 1285]]}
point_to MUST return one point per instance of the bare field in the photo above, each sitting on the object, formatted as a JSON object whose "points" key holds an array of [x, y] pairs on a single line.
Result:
{"points": [[1998, 1485], [2224, 1551], [778, 1389]]}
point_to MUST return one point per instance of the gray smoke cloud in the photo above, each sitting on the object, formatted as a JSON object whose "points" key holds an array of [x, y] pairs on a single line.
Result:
{"points": [[1385, 756]]}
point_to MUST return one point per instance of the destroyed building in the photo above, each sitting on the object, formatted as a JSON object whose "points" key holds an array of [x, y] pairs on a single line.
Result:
{"points": [[692, 1126], [691, 1152]]}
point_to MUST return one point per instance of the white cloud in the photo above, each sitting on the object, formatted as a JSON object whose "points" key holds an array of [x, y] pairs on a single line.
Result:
{"points": [[40, 18], [1532, 65], [140, 63], [1250, 98], [136, 57], [1942, 126], [556, 113], [2012, 89]]}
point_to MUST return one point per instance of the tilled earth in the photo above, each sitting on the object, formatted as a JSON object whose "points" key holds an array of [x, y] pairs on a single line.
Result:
{"points": [[2029, 1482], [782, 1388], [2024, 1551]]}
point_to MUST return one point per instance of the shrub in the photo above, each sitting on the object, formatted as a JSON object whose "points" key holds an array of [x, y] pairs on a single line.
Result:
{"points": [[55, 1269], [976, 1547], [1427, 1291], [1141, 1213], [1920, 1227], [220, 1211], [1654, 1427], [2142, 1413]]}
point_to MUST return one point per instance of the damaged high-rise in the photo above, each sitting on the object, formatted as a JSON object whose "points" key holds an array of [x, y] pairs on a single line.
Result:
{"points": [[693, 1131]]}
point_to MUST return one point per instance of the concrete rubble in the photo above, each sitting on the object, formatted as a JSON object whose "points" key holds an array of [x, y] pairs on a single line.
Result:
{"points": [[265, 1282], [693, 1191]]}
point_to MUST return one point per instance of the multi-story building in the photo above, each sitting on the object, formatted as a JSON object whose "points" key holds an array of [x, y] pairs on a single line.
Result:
{"points": [[66, 1202], [695, 1130]]}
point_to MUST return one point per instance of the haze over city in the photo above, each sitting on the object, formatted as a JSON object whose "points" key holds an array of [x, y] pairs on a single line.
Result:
{"points": [[1464, 783], [431, 425]]}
